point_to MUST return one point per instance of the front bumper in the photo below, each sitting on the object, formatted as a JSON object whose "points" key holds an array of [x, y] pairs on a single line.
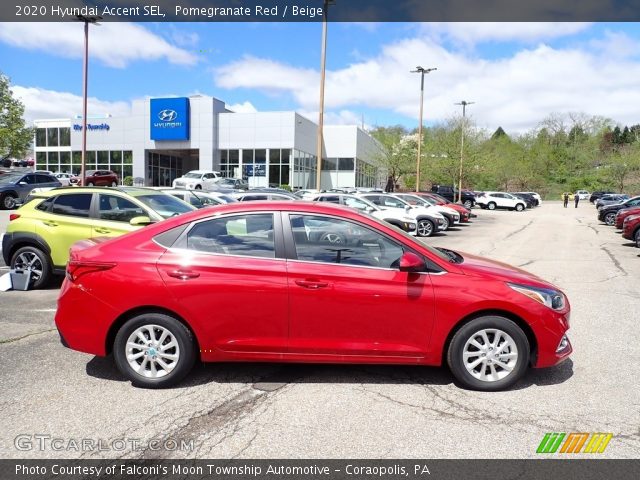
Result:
{"points": [[550, 333]]}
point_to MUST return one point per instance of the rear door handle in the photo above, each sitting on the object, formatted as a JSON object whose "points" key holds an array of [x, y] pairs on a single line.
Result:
{"points": [[50, 224], [312, 284], [102, 230], [183, 274]]}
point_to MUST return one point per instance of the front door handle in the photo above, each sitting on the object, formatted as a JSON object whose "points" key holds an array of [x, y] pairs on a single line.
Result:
{"points": [[102, 230], [49, 223], [312, 284], [183, 274]]}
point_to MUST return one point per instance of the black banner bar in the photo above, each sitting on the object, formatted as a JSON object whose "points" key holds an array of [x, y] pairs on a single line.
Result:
{"points": [[583, 469], [312, 10]]}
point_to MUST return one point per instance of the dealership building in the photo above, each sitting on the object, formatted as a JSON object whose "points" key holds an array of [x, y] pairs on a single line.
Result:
{"points": [[163, 138]]}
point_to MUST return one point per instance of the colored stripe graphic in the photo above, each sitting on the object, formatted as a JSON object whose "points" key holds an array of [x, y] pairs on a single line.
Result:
{"points": [[550, 443], [574, 442], [598, 442]]}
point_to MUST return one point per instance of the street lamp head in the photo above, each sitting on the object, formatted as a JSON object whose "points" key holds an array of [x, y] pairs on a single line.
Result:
{"points": [[423, 70], [88, 19]]}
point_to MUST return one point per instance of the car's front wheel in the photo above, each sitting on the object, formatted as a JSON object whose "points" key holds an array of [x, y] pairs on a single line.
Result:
{"points": [[489, 353], [154, 350], [198, 187], [519, 207], [468, 204], [425, 228], [90, 184], [33, 262], [114, 184], [491, 206], [610, 218], [446, 223], [638, 238]]}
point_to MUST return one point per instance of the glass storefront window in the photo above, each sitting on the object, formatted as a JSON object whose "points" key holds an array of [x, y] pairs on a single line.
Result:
{"points": [[91, 158], [274, 155], [65, 137], [41, 137], [345, 164], [260, 156], [115, 157], [103, 157], [234, 157], [52, 137], [247, 156], [127, 157], [224, 157], [127, 171], [76, 158], [330, 164], [53, 159], [285, 155], [41, 159], [65, 158]]}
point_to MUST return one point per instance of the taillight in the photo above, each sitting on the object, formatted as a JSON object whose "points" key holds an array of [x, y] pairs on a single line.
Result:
{"points": [[78, 268], [13, 216]]}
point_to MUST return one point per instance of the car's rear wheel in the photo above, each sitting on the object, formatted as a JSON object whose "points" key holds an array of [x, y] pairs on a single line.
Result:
{"points": [[519, 207], [114, 184], [154, 350], [610, 218], [33, 262], [491, 206], [90, 184], [425, 228], [7, 201], [489, 353]]}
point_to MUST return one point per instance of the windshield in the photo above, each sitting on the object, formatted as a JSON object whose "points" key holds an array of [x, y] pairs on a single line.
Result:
{"points": [[9, 179], [192, 175], [226, 181], [165, 205]]}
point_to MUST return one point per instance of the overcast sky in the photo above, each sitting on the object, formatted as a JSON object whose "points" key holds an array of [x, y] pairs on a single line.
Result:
{"points": [[517, 73]]}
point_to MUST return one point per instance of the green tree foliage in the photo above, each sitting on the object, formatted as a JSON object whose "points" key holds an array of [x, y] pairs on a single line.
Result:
{"points": [[398, 156], [15, 137]]}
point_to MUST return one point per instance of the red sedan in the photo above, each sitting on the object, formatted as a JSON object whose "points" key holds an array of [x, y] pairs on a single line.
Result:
{"points": [[624, 213], [303, 282]]}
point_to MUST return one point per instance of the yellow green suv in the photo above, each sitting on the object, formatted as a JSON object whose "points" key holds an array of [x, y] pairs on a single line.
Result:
{"points": [[41, 232]]}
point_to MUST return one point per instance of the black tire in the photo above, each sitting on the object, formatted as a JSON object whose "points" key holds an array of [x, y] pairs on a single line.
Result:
{"points": [[7, 201], [90, 184], [468, 204], [491, 205], [426, 228], [638, 238], [519, 207], [469, 331], [33, 260], [114, 184], [198, 187], [610, 218], [447, 223], [181, 334]]}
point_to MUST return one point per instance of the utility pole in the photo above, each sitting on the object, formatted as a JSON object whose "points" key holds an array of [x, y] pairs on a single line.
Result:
{"points": [[85, 78], [422, 72], [464, 104]]}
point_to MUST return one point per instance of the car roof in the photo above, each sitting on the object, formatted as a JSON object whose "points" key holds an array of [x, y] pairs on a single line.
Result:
{"points": [[133, 191]]}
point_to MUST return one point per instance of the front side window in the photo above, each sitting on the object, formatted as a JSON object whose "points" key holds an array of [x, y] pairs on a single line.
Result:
{"points": [[118, 209], [338, 241], [74, 205], [356, 203], [245, 235]]}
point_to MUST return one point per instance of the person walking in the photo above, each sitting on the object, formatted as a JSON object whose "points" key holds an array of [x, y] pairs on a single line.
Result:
{"points": [[576, 199], [565, 197]]}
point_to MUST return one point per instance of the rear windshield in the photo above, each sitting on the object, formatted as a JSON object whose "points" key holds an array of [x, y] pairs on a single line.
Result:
{"points": [[165, 205]]}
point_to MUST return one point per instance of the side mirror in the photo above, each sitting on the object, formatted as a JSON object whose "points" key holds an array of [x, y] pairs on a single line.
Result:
{"points": [[140, 221], [410, 262], [370, 209], [407, 208], [22, 183]]}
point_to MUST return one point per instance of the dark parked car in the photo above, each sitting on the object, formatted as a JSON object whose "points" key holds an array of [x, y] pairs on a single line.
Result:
{"points": [[596, 195], [451, 194], [98, 178], [607, 214], [528, 198], [15, 187]]}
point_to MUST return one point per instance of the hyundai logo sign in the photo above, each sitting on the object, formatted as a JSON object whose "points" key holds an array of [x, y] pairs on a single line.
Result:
{"points": [[167, 115], [169, 118]]}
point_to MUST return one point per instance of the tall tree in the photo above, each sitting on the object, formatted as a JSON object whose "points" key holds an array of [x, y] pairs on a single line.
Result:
{"points": [[15, 137]]}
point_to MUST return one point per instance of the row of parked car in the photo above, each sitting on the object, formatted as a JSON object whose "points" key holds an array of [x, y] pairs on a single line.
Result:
{"points": [[625, 215]]}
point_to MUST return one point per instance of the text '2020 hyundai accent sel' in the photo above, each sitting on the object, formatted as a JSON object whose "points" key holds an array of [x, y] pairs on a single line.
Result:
{"points": [[259, 281]]}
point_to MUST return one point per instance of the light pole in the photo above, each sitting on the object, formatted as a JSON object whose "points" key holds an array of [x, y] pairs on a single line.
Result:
{"points": [[85, 75], [464, 104], [422, 72], [323, 58]]}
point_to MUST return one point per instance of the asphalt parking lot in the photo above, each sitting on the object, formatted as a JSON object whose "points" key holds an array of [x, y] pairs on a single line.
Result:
{"points": [[311, 411]]}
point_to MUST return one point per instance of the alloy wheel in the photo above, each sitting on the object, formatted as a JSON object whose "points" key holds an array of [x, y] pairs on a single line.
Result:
{"points": [[610, 218], [9, 202], [491, 206], [30, 264], [490, 355], [152, 351], [425, 228], [332, 238], [445, 225]]}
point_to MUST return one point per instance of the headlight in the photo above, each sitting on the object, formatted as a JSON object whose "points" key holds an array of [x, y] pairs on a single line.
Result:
{"points": [[546, 296]]}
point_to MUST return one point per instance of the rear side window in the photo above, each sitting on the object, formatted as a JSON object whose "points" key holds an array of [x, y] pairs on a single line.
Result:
{"points": [[46, 205], [246, 235], [74, 205]]}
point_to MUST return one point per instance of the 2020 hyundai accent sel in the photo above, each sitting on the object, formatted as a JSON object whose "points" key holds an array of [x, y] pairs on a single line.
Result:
{"points": [[261, 281]]}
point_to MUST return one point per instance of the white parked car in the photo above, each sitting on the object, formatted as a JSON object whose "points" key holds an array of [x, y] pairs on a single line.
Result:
{"points": [[493, 200], [429, 219], [583, 194], [391, 215], [64, 178], [451, 217], [197, 180]]}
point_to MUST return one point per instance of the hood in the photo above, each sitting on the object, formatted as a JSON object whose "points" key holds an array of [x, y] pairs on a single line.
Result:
{"points": [[481, 266]]}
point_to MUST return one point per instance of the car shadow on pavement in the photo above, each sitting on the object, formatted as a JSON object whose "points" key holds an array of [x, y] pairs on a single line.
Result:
{"points": [[269, 374]]}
